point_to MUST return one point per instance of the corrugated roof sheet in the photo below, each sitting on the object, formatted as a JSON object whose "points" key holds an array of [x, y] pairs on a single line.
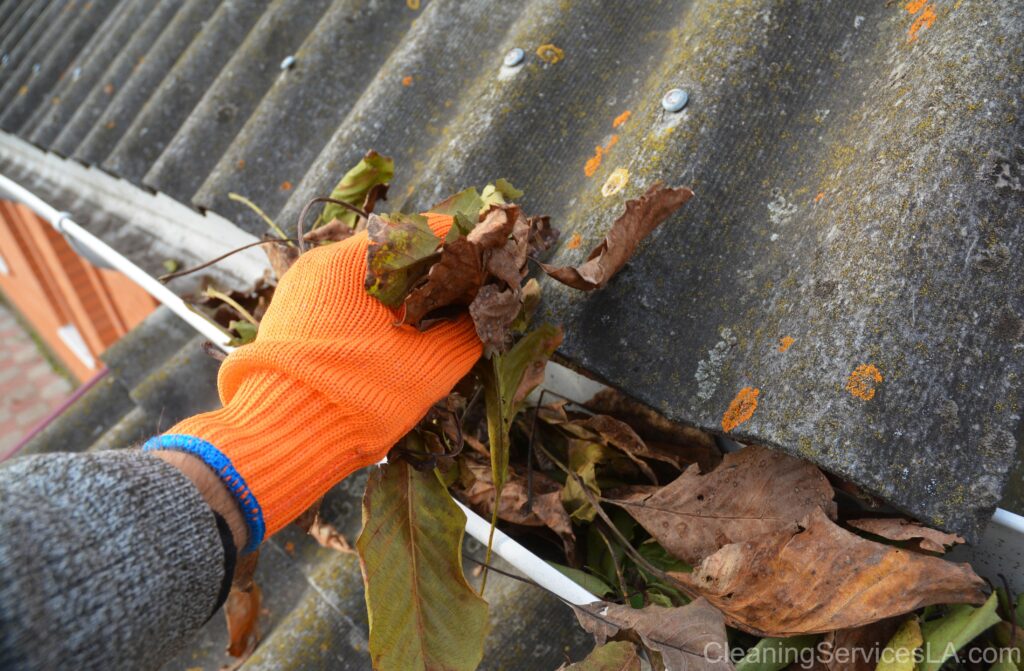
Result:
{"points": [[857, 167]]}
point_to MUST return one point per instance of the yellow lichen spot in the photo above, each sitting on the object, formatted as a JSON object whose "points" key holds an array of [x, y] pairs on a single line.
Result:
{"points": [[549, 53], [785, 342], [286, 185], [407, 80], [863, 381], [414, 5], [23, 90], [574, 242], [615, 182], [621, 119], [741, 409], [55, 100]]}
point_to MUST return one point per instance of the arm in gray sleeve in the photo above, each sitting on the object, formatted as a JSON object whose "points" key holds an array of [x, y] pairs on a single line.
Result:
{"points": [[109, 560]]}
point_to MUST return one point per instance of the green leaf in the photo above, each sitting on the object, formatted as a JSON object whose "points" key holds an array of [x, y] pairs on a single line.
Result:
{"points": [[499, 193], [372, 170], [402, 249], [959, 626], [509, 379], [899, 653], [1004, 665], [246, 332], [773, 654], [660, 558], [614, 656], [589, 582], [466, 202], [423, 614]]}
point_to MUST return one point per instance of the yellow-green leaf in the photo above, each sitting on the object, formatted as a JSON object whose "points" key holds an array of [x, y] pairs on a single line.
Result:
{"points": [[958, 627], [423, 614], [899, 654], [402, 249], [371, 171], [773, 654]]}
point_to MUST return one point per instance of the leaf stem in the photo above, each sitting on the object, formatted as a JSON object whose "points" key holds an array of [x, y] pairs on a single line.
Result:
{"points": [[490, 543], [210, 292], [206, 264], [239, 198]]}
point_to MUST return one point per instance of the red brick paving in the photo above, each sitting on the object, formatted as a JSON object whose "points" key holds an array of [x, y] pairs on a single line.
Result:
{"points": [[29, 387]]}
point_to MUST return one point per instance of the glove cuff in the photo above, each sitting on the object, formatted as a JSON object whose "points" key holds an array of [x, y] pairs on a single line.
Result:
{"points": [[278, 446]]}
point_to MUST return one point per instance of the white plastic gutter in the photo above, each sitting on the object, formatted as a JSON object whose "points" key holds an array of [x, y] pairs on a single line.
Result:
{"points": [[515, 554]]}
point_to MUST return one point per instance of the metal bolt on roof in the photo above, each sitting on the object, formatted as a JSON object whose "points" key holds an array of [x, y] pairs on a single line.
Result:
{"points": [[514, 57], [288, 62], [675, 100]]}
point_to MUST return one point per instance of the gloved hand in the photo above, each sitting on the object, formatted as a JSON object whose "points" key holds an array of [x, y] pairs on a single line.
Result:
{"points": [[329, 386]]}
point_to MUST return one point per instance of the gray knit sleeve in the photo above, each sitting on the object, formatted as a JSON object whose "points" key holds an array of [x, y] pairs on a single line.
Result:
{"points": [[109, 560]]}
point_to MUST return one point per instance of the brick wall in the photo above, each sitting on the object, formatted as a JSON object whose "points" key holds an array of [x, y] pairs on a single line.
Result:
{"points": [[77, 309]]}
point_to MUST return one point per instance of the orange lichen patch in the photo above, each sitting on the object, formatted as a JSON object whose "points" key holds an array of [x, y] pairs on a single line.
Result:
{"points": [[241, 164], [414, 5], [111, 125], [923, 21], [615, 182], [289, 547], [574, 242], [23, 90], [621, 119], [785, 342], [286, 185], [741, 409], [863, 381], [821, 194], [549, 53], [55, 100], [594, 162], [407, 80], [108, 89]]}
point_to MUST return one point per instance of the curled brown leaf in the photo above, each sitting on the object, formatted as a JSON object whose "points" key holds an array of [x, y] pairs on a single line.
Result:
{"points": [[642, 216], [898, 529]]}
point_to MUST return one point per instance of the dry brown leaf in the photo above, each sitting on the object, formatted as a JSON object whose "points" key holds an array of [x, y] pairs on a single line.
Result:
{"points": [[280, 255], [691, 637], [898, 529], [329, 537], [376, 192], [546, 511], [542, 235], [334, 231], [690, 443], [242, 608], [816, 577], [454, 280], [493, 312], [642, 216], [753, 491]]}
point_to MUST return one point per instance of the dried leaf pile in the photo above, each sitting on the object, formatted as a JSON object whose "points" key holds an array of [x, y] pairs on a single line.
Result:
{"points": [[747, 560]]}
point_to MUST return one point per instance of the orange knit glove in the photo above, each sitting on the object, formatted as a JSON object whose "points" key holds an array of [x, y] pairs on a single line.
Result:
{"points": [[329, 386]]}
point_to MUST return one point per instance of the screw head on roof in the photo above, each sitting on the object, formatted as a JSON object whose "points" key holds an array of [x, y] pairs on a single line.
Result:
{"points": [[514, 57], [675, 100], [288, 62]]}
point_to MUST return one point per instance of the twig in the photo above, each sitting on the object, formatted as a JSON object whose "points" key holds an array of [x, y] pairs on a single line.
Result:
{"points": [[224, 298], [239, 198], [206, 264], [630, 550], [314, 201], [615, 562]]}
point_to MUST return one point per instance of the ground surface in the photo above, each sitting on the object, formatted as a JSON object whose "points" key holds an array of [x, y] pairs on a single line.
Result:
{"points": [[29, 386]]}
